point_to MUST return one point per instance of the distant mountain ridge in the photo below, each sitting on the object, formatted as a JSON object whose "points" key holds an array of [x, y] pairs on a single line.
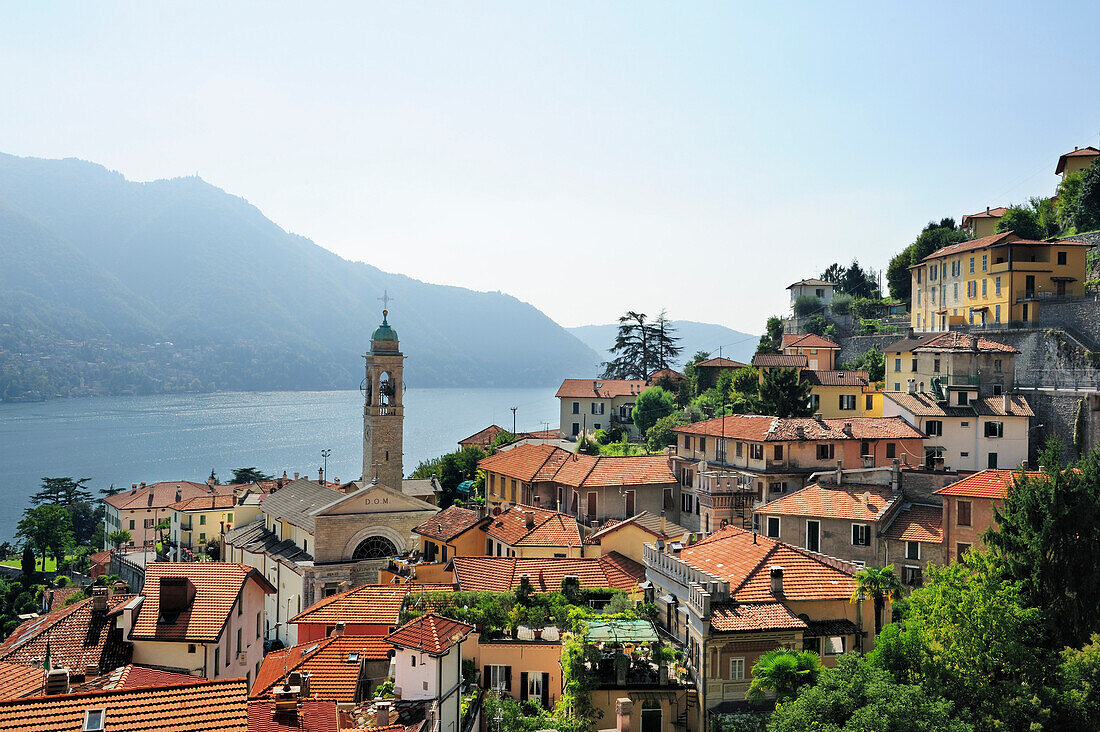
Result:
{"points": [[693, 336], [172, 280]]}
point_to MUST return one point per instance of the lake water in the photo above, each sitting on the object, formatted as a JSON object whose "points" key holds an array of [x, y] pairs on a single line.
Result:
{"points": [[124, 440]]}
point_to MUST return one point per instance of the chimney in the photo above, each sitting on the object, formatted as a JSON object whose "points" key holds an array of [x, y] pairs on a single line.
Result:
{"points": [[840, 472], [301, 681], [987, 209], [295, 476], [142, 485], [895, 476], [1007, 403], [57, 681], [848, 428], [776, 574], [867, 498], [149, 499], [338, 630], [321, 476], [624, 707], [99, 599], [382, 714], [179, 494], [819, 418], [911, 386], [800, 432], [176, 594], [133, 488], [529, 519], [664, 524]]}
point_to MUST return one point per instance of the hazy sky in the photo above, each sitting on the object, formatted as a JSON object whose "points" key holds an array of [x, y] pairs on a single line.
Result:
{"points": [[588, 158]]}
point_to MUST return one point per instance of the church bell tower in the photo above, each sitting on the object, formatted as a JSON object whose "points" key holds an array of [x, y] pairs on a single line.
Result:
{"points": [[383, 412]]}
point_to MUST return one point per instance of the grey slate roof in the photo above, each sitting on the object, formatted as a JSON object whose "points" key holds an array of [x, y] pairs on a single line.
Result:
{"points": [[296, 502], [255, 537], [419, 487]]}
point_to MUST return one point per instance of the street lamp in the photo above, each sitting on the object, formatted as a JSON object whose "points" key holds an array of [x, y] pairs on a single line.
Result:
{"points": [[324, 454]]}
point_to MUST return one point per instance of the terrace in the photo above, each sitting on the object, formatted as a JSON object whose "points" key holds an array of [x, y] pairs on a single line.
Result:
{"points": [[630, 654]]}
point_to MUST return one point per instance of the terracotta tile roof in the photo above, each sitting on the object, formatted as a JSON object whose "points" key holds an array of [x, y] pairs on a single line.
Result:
{"points": [[131, 676], [923, 404], [811, 283], [367, 604], [956, 341], [163, 495], [205, 503], [217, 585], [449, 523], [917, 522], [313, 715], [731, 617], [837, 378], [77, 636], [646, 521], [1078, 152], [482, 438], [968, 246], [672, 374], [431, 633], [745, 559], [599, 388], [208, 706], [986, 484], [808, 340], [848, 502], [538, 463], [500, 574], [549, 528], [20, 681], [332, 664], [59, 595], [780, 360], [550, 434], [720, 363], [994, 406], [989, 213], [906, 345], [761, 428]]}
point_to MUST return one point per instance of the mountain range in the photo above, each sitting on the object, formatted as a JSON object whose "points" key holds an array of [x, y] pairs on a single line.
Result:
{"points": [[693, 336], [114, 286]]}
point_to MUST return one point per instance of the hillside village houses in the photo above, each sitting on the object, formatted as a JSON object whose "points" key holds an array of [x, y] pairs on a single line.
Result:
{"points": [[593, 404]]}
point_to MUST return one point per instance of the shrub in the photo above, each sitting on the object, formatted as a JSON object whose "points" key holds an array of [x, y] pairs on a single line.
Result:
{"points": [[841, 304], [806, 304]]}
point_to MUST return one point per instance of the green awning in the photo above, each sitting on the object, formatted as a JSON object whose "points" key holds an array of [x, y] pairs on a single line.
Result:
{"points": [[621, 631], [465, 486]]}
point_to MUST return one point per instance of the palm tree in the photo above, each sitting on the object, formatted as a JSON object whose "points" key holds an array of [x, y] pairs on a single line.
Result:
{"points": [[880, 584], [783, 671]]}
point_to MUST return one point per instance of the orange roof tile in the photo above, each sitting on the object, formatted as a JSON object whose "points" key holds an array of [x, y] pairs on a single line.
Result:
{"points": [[217, 586], [131, 676], [163, 495], [20, 680], [1078, 152], [849, 502], [548, 528], [482, 438], [501, 574], [917, 522], [744, 559], [720, 363], [761, 428], [780, 360], [449, 523], [431, 633], [537, 463], [837, 378], [207, 706], [332, 664], [731, 617], [205, 503], [77, 636], [523, 462], [956, 341], [808, 340], [599, 388], [989, 213], [312, 715], [967, 246], [367, 604], [986, 484]]}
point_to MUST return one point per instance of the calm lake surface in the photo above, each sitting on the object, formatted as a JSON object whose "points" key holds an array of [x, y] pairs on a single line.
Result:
{"points": [[124, 440]]}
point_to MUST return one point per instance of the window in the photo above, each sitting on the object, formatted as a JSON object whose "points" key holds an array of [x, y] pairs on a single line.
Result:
{"points": [[258, 625], [918, 303], [918, 276], [991, 461], [963, 398], [592, 504], [597, 426], [629, 503], [812, 644], [240, 646], [932, 295], [813, 535], [777, 452], [961, 548], [576, 407], [773, 527], [997, 285], [972, 265], [985, 264], [936, 365], [720, 449], [191, 648], [202, 519], [687, 442], [597, 407], [240, 607], [778, 487], [994, 429], [825, 451], [202, 536], [996, 365], [985, 289], [933, 428], [912, 550], [702, 444], [131, 524], [962, 514], [891, 450], [865, 447], [740, 446], [756, 451], [869, 403], [913, 366], [912, 576], [1061, 258], [93, 720], [861, 535], [834, 645], [897, 364], [847, 402], [897, 386], [737, 669], [217, 658], [956, 294], [576, 428], [997, 313]]}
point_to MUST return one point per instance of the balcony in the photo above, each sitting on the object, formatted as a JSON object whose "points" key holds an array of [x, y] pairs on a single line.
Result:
{"points": [[951, 380]]}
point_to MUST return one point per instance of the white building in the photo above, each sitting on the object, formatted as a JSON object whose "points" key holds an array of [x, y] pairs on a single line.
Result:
{"points": [[427, 666]]}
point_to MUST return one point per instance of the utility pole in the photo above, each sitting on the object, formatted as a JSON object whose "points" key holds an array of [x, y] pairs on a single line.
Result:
{"points": [[324, 454], [514, 419]]}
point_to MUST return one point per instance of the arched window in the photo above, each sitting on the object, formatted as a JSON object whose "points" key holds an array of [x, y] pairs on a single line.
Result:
{"points": [[385, 389], [375, 547]]}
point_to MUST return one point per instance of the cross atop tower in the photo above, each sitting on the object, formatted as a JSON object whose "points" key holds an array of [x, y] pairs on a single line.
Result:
{"points": [[385, 301]]}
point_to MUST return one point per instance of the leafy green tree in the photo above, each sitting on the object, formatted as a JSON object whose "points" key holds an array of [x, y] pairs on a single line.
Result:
{"points": [[249, 475], [1023, 221], [120, 537], [880, 584], [692, 373], [1079, 686], [772, 340], [841, 303], [857, 695], [1068, 196], [783, 671], [26, 564], [652, 404], [1087, 214], [87, 522], [641, 347], [784, 394], [968, 637], [661, 434], [213, 479], [1046, 536], [49, 529], [807, 304], [61, 492], [816, 324], [853, 280], [935, 235], [1046, 215], [871, 361]]}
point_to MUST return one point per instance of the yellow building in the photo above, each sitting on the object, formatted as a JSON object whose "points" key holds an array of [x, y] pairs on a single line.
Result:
{"points": [[983, 223], [838, 394], [196, 521], [993, 280], [1079, 159]]}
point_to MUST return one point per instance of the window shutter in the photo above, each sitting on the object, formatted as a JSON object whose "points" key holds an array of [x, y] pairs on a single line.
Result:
{"points": [[546, 691], [485, 677], [507, 678], [522, 685]]}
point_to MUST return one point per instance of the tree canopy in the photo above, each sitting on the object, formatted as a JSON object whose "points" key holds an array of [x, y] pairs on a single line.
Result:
{"points": [[61, 492], [852, 280], [250, 475], [935, 235], [772, 340], [642, 347], [47, 528], [1022, 221], [784, 394], [651, 405]]}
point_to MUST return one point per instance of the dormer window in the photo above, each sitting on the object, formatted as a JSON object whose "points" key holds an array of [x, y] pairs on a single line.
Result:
{"points": [[94, 720]]}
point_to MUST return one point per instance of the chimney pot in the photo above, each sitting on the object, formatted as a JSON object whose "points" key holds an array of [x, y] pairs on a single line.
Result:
{"points": [[321, 476], [295, 476], [776, 575], [624, 708], [1007, 403]]}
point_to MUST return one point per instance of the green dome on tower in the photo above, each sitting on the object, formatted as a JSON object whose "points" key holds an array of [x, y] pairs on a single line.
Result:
{"points": [[384, 332]]}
